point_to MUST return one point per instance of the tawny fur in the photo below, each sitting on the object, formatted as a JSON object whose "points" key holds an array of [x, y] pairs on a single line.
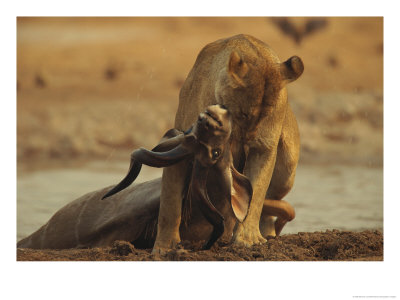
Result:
{"points": [[246, 76]]}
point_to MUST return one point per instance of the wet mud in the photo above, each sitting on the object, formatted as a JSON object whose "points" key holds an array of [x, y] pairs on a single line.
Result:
{"points": [[331, 245]]}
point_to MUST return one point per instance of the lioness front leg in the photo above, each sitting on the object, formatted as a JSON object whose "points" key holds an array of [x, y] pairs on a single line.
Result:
{"points": [[258, 169], [169, 217]]}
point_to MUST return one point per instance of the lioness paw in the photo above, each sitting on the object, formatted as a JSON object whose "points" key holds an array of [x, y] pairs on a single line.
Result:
{"points": [[248, 237]]}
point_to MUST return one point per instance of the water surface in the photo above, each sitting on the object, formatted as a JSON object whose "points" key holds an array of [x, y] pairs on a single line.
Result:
{"points": [[324, 197]]}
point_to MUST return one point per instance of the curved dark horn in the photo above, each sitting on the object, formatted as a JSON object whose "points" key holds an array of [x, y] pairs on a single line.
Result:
{"points": [[161, 159], [169, 144], [170, 134], [198, 192], [133, 172], [170, 140], [152, 159]]}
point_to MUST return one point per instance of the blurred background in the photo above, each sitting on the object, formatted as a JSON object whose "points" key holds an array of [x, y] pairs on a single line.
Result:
{"points": [[90, 90]]}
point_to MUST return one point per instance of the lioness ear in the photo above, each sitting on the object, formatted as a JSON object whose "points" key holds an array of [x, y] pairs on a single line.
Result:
{"points": [[241, 193], [291, 69], [237, 68]]}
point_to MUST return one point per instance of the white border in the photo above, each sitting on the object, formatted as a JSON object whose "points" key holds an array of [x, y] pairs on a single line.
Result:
{"points": [[292, 280]]}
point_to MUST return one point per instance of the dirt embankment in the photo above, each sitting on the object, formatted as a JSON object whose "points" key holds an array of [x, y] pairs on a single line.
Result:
{"points": [[318, 246], [100, 87]]}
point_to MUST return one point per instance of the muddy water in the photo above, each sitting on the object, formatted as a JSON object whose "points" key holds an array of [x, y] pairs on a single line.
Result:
{"points": [[324, 197]]}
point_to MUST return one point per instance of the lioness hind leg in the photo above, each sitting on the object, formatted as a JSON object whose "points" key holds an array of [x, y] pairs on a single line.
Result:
{"points": [[279, 208], [273, 220], [267, 224], [282, 178]]}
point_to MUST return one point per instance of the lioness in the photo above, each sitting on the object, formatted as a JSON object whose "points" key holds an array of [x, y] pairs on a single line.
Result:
{"points": [[246, 76]]}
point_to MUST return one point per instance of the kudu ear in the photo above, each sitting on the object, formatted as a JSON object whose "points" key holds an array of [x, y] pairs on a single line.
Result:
{"points": [[237, 69], [241, 194], [291, 69]]}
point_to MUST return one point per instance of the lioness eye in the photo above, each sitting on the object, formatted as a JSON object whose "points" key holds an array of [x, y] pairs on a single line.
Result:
{"points": [[215, 153]]}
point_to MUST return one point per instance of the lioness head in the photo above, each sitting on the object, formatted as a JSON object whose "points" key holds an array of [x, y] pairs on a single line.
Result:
{"points": [[252, 80]]}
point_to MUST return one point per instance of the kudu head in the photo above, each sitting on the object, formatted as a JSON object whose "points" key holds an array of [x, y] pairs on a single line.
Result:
{"points": [[207, 144]]}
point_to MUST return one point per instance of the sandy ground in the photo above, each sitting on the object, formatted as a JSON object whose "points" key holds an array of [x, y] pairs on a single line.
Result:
{"points": [[318, 246], [90, 90]]}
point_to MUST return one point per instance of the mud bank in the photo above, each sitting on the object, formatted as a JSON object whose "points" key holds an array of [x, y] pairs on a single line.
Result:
{"points": [[331, 245]]}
